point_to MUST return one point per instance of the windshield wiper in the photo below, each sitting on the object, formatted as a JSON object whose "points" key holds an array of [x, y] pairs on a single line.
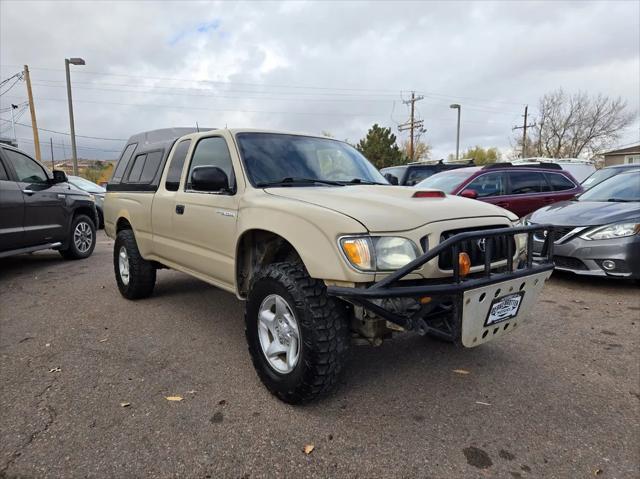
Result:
{"points": [[619, 200], [361, 181], [290, 181]]}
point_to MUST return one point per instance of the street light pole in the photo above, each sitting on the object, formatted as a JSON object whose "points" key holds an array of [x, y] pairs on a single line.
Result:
{"points": [[74, 153], [456, 106]]}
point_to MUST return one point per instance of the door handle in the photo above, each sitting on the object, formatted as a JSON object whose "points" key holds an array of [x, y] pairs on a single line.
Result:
{"points": [[28, 192], [180, 209]]}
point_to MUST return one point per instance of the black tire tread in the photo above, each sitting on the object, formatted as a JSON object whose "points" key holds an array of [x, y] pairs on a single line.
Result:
{"points": [[329, 341], [142, 273]]}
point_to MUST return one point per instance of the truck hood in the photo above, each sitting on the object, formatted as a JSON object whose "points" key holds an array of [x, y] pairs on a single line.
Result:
{"points": [[389, 208]]}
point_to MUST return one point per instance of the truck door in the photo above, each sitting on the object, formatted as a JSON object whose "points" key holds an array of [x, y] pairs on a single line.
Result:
{"points": [[11, 212], [45, 216], [204, 222]]}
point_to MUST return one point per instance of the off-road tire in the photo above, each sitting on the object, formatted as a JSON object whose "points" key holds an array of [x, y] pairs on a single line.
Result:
{"points": [[323, 326], [72, 251], [142, 273]]}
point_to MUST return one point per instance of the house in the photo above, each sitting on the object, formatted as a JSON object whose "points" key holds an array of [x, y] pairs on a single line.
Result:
{"points": [[623, 156]]}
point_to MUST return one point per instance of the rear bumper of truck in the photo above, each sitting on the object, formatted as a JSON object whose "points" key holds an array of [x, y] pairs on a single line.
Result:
{"points": [[472, 309]]}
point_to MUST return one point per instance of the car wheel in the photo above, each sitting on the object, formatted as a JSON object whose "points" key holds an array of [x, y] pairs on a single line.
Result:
{"points": [[136, 277], [82, 240], [298, 337]]}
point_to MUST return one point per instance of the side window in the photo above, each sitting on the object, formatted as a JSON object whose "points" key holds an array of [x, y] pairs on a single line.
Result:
{"points": [[417, 175], [175, 167], [28, 170], [490, 184], [3, 172], [212, 152], [151, 166], [136, 169], [122, 164], [559, 182], [527, 182]]}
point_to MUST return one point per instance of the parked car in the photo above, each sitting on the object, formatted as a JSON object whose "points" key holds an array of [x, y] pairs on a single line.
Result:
{"points": [[319, 245], [413, 173], [93, 189], [519, 189], [578, 167], [39, 210], [599, 234], [607, 172]]}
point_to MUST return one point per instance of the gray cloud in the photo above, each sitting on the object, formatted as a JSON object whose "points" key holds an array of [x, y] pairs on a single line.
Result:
{"points": [[305, 66]]}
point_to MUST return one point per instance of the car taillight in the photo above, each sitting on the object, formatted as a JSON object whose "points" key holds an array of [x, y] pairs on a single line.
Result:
{"points": [[429, 194]]}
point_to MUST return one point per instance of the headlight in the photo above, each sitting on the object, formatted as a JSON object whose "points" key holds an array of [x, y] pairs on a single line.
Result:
{"points": [[93, 198], [619, 230], [524, 221], [379, 253]]}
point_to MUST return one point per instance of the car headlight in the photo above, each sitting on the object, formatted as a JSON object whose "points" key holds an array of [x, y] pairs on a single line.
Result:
{"points": [[619, 230], [378, 253]]}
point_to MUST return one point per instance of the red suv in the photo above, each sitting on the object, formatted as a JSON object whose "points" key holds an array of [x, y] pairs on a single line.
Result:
{"points": [[520, 189]]}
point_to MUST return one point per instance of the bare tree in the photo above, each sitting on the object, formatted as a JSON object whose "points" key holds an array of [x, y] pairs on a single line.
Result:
{"points": [[569, 126]]}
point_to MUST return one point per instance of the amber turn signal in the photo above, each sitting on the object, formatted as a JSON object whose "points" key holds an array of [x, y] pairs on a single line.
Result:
{"points": [[465, 263]]}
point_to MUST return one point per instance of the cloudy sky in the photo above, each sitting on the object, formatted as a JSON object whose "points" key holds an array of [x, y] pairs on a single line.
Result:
{"points": [[309, 66]]}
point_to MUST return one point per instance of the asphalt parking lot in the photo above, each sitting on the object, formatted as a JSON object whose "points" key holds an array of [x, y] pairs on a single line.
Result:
{"points": [[85, 375]]}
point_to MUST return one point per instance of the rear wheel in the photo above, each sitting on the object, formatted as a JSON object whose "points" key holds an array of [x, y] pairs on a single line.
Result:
{"points": [[136, 277], [298, 336], [82, 240]]}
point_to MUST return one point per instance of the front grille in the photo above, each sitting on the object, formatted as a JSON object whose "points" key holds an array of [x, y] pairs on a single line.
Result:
{"points": [[475, 249], [558, 232], [569, 263]]}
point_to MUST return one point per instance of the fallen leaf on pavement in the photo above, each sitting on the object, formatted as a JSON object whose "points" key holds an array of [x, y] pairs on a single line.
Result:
{"points": [[308, 448], [597, 472], [174, 398], [193, 391], [483, 403], [47, 345], [461, 371], [125, 404], [103, 340], [55, 370]]}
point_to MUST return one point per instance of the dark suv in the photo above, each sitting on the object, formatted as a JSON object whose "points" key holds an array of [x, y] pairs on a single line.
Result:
{"points": [[414, 173], [519, 189], [39, 210]]}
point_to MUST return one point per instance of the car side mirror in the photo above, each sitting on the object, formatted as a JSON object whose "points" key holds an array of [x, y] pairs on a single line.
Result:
{"points": [[473, 194], [59, 176], [209, 178], [391, 178]]}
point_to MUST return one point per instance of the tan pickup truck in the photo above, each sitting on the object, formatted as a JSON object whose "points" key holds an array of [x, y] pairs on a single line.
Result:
{"points": [[324, 251]]}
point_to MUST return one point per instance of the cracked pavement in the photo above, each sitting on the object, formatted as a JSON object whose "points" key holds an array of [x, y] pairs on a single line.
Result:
{"points": [[559, 397]]}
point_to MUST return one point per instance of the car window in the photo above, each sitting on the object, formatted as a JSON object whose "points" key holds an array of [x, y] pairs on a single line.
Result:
{"points": [[622, 187], [151, 165], [559, 182], [175, 167], [123, 163], [446, 181], [489, 184], [527, 182], [212, 152], [598, 177], [417, 175], [136, 169], [27, 170], [3, 173]]}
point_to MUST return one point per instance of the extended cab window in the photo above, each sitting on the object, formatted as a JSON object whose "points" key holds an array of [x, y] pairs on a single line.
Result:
{"points": [[175, 167], [527, 182], [136, 169], [212, 152], [123, 163], [28, 170], [489, 184], [151, 165], [559, 182]]}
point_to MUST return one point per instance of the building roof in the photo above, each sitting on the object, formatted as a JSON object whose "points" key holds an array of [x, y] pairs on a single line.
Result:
{"points": [[624, 151]]}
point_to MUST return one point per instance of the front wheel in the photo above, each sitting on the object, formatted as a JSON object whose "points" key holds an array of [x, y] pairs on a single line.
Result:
{"points": [[298, 337], [82, 240], [136, 277]]}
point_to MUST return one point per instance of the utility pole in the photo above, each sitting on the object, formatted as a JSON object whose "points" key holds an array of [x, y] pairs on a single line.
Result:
{"points": [[412, 125], [456, 106], [74, 153], [53, 164], [13, 122], [524, 127], [32, 109]]}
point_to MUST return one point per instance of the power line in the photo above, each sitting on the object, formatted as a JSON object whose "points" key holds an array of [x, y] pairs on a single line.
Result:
{"points": [[62, 145], [79, 136]]}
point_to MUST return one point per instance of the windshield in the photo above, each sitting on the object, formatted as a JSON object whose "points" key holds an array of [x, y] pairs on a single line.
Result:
{"points": [[86, 185], [446, 181], [278, 159], [598, 177], [622, 187]]}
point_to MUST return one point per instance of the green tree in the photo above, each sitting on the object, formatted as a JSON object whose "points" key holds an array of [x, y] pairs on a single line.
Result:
{"points": [[380, 148], [480, 155]]}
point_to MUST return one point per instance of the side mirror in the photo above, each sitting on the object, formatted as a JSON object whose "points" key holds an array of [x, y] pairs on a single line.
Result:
{"points": [[473, 194], [209, 178], [59, 176], [391, 178]]}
